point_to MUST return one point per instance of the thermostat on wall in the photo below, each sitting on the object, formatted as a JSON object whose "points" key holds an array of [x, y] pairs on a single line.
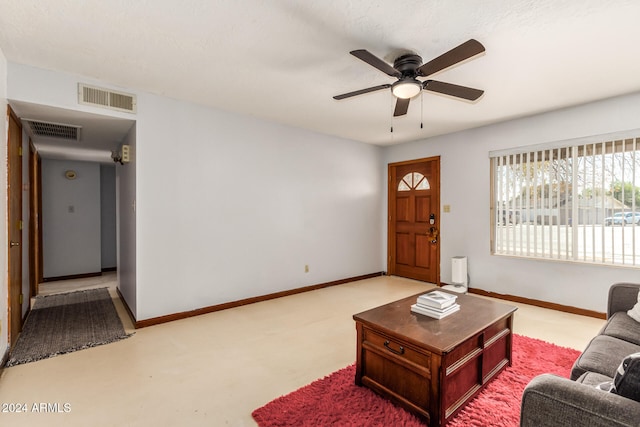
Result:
{"points": [[70, 174], [125, 154]]}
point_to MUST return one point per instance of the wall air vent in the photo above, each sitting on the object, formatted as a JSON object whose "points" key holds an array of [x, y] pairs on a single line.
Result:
{"points": [[53, 130], [100, 97]]}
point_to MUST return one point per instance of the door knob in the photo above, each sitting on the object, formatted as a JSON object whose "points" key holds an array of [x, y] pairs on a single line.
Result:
{"points": [[12, 243]]}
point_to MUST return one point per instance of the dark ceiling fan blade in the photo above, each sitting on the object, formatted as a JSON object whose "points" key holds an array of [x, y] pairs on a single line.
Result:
{"points": [[376, 62], [402, 105], [464, 51], [361, 91], [453, 90]]}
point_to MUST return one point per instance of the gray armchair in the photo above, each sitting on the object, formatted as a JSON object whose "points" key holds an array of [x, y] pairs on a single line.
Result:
{"points": [[549, 400], [552, 401]]}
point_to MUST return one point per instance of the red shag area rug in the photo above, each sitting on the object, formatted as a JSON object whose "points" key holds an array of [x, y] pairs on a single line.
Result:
{"points": [[335, 400]]}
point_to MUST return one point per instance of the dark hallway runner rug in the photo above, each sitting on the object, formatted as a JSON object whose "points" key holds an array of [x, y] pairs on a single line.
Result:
{"points": [[63, 323]]}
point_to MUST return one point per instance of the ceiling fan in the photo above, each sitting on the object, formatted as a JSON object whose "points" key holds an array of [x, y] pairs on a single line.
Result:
{"points": [[408, 67]]}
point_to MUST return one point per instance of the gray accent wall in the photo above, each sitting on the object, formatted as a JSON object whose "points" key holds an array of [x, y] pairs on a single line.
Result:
{"points": [[70, 218], [108, 216]]}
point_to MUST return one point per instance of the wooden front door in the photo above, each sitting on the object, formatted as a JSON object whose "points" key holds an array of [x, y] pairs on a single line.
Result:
{"points": [[14, 226], [414, 219]]}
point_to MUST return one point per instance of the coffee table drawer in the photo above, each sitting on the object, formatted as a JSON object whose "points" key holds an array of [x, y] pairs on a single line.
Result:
{"points": [[396, 349]]}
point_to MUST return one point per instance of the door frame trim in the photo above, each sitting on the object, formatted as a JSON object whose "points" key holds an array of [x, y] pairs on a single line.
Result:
{"points": [[35, 220], [390, 247]]}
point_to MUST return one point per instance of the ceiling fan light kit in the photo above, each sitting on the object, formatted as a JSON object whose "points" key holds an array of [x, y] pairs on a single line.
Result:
{"points": [[406, 88], [408, 67]]}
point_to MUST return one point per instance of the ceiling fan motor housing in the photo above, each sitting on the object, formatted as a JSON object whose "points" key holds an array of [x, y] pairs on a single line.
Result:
{"points": [[407, 85], [408, 64]]}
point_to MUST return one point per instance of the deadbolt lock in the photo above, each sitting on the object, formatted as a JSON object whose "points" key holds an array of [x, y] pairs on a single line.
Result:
{"points": [[433, 232]]}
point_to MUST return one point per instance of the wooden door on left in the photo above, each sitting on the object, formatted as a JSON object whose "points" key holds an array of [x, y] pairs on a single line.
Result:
{"points": [[14, 225]]}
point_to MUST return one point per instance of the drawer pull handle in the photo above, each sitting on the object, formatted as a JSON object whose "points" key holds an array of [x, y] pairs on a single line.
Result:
{"points": [[392, 350]]}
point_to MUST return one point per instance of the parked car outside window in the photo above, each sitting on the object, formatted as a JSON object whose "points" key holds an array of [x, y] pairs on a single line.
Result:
{"points": [[623, 218]]}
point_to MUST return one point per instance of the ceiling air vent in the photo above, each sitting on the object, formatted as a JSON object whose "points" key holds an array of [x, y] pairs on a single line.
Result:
{"points": [[120, 101], [54, 130]]}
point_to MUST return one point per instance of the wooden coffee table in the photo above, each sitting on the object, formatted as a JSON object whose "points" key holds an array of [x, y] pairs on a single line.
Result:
{"points": [[433, 367]]}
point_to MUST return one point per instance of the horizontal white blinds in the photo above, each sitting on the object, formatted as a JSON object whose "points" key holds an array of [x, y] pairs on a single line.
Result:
{"points": [[571, 202]]}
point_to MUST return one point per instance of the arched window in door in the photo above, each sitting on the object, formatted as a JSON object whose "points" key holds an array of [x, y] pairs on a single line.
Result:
{"points": [[414, 181]]}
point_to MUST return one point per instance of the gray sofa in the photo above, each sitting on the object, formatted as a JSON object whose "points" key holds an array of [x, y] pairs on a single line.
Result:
{"points": [[549, 400]]}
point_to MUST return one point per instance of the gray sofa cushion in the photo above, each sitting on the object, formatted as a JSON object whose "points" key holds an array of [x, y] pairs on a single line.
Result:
{"points": [[593, 379], [603, 355], [621, 325]]}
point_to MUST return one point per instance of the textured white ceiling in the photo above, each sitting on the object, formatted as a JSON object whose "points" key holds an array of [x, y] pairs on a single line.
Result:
{"points": [[283, 60]]}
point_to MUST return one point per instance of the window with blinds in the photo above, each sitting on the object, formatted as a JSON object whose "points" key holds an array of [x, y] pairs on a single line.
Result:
{"points": [[573, 201]]}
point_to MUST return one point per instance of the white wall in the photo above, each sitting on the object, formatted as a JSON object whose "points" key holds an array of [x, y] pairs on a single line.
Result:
{"points": [[70, 218], [465, 187], [4, 289], [126, 225], [30, 84], [108, 216], [231, 207]]}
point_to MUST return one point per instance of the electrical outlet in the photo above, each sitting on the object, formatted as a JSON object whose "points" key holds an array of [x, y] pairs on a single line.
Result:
{"points": [[306, 268]]}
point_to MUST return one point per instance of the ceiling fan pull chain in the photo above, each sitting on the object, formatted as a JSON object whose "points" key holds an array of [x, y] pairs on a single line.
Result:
{"points": [[421, 110], [391, 119], [391, 134]]}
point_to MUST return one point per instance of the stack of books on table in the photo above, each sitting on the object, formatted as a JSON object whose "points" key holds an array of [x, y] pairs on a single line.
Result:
{"points": [[436, 304]]}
